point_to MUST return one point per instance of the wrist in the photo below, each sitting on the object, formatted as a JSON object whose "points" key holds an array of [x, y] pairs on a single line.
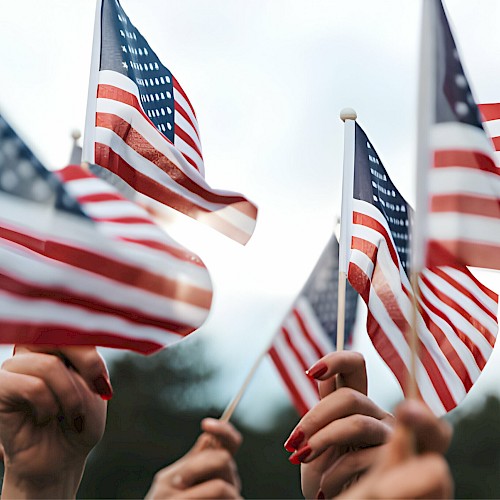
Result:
{"points": [[61, 484]]}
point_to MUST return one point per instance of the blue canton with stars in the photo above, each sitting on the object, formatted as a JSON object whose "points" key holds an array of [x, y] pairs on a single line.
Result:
{"points": [[321, 290], [373, 185], [125, 51], [22, 175], [454, 101]]}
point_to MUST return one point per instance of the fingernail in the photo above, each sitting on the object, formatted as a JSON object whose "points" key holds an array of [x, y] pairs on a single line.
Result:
{"points": [[103, 388], [317, 371], [293, 442], [300, 455], [78, 424], [320, 495]]}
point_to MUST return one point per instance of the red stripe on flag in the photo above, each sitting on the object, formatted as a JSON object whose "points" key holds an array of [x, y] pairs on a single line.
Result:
{"points": [[297, 398], [104, 266], [297, 354], [187, 139], [25, 332], [370, 222], [490, 111], [446, 253], [177, 86], [307, 334], [139, 144], [464, 158], [87, 302], [466, 204]]}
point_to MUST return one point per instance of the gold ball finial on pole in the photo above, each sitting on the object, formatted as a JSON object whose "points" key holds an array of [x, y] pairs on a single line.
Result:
{"points": [[348, 114]]}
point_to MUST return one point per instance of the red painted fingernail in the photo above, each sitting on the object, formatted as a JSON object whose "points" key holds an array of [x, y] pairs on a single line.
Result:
{"points": [[317, 371], [320, 495], [293, 442], [103, 388], [300, 455]]}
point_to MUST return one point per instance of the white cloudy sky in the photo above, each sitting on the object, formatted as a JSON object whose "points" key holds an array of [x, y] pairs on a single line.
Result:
{"points": [[267, 79]]}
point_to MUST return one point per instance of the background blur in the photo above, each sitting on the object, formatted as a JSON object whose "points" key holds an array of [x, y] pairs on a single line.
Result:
{"points": [[267, 79]]}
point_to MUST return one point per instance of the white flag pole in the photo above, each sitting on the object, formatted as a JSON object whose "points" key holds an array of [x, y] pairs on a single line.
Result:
{"points": [[426, 99], [88, 153], [348, 116]]}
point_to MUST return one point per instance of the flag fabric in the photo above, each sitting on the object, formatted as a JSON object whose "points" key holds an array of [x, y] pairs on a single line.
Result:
{"points": [[491, 120], [456, 316], [80, 264], [463, 182], [309, 330], [142, 127]]}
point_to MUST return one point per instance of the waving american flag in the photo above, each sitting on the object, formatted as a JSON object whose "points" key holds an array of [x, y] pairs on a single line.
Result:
{"points": [[80, 264], [456, 314], [463, 182], [142, 128], [309, 330]]}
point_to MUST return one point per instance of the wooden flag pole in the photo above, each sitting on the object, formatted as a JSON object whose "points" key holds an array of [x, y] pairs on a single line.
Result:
{"points": [[348, 116]]}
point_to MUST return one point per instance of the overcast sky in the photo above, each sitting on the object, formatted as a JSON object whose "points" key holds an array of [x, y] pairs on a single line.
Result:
{"points": [[267, 79]]}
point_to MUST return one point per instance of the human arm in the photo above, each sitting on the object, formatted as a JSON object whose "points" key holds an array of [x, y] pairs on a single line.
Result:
{"points": [[51, 415], [339, 438], [411, 465], [208, 470]]}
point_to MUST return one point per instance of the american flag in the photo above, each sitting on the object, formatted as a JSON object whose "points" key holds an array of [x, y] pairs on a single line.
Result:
{"points": [[491, 121], [463, 183], [457, 315], [142, 128], [80, 264], [309, 331]]}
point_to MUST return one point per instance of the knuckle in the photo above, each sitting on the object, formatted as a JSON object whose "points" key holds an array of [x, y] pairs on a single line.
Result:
{"points": [[222, 489], [353, 399]]}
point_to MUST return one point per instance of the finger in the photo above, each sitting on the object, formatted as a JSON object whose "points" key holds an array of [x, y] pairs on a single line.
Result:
{"points": [[58, 379], [215, 488], [426, 476], [354, 431], [335, 406], [225, 433], [203, 466], [431, 434], [20, 391], [351, 366], [347, 468], [84, 359]]}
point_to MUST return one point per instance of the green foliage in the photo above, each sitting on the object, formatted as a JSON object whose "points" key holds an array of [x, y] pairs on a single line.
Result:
{"points": [[154, 418]]}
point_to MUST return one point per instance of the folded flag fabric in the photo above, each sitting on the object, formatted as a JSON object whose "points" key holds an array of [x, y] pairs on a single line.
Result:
{"points": [[80, 264], [142, 127], [309, 330], [456, 315]]}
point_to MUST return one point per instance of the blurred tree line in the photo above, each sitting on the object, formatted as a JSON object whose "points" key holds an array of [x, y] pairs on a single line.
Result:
{"points": [[159, 401], [154, 418]]}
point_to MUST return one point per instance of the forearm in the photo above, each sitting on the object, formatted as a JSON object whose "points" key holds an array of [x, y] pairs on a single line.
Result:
{"points": [[63, 485]]}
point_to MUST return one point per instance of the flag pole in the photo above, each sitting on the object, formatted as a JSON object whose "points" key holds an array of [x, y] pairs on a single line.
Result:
{"points": [[425, 99], [348, 116]]}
